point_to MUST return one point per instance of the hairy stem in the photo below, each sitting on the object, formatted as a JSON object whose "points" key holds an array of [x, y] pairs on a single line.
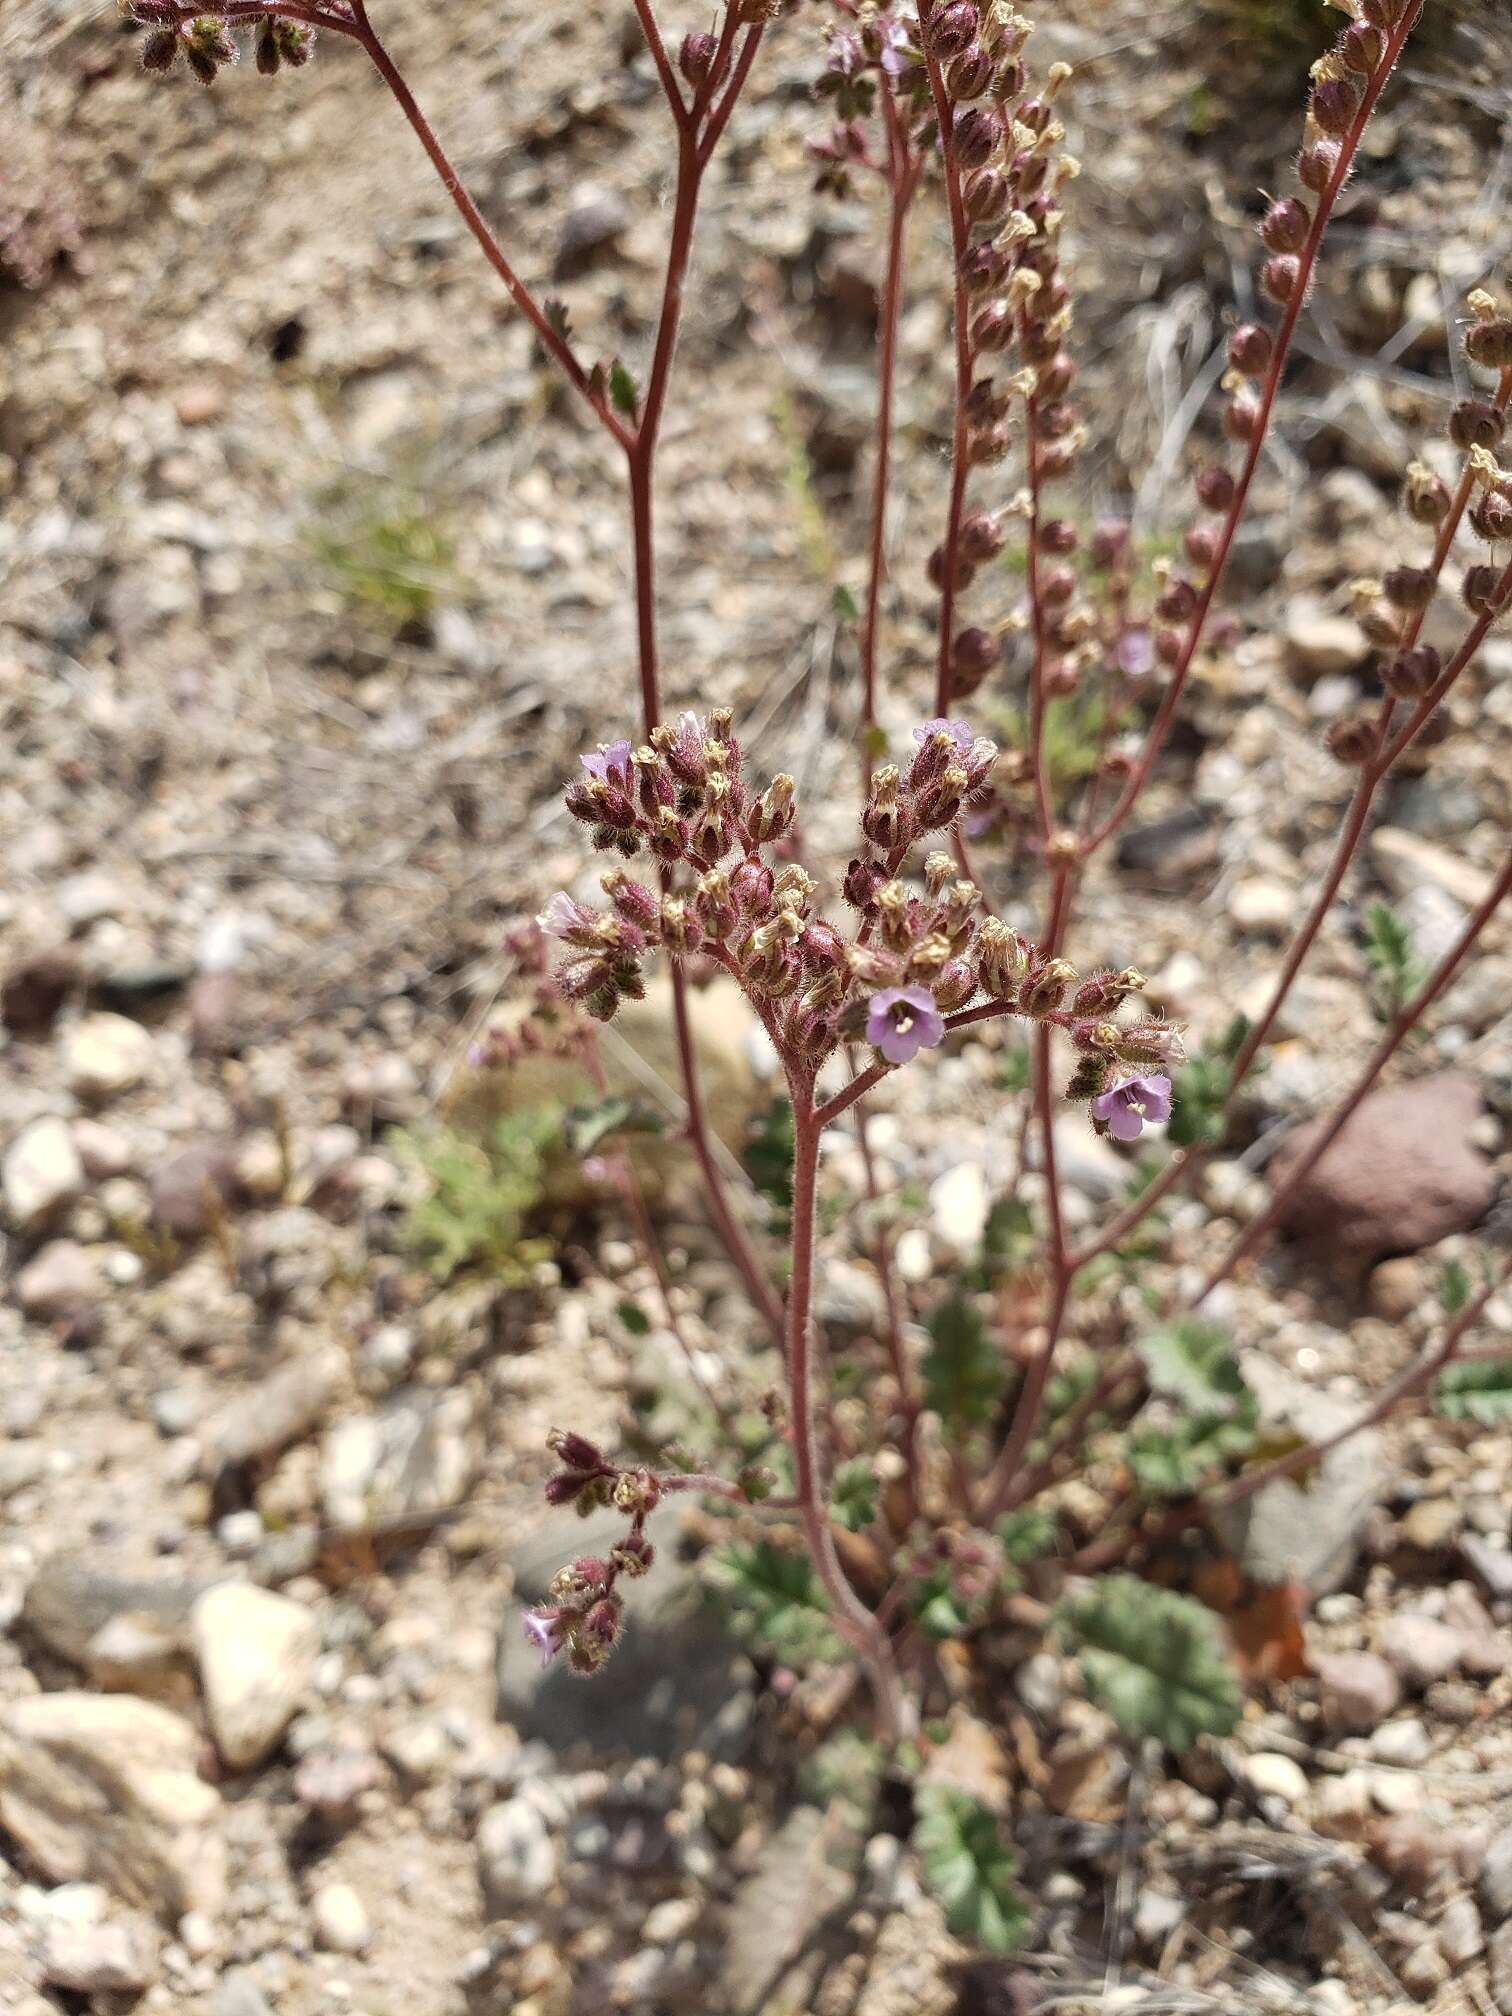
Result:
{"points": [[960, 238], [902, 179]]}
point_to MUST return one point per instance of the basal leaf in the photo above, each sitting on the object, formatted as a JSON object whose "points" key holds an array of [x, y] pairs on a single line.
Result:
{"points": [[1190, 1361], [963, 1370], [776, 1602], [969, 1867], [1480, 1392], [1153, 1659]]}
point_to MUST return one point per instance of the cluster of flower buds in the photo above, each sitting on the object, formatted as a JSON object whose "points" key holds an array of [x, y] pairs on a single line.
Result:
{"points": [[551, 1025], [207, 45], [584, 1615]]}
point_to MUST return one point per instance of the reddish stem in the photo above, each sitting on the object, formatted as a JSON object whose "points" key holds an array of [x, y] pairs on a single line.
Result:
{"points": [[960, 238]]}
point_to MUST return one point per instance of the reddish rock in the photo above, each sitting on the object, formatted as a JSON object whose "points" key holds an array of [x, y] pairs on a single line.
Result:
{"points": [[1402, 1175]]}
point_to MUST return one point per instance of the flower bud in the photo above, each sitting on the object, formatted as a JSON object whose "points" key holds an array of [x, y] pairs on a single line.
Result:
{"points": [[1056, 377], [1001, 959], [1215, 487], [1241, 417], [1317, 165], [1249, 349], [1490, 343], [972, 656], [986, 196], [986, 446], [1280, 276], [981, 537], [1033, 113], [1103, 992], [695, 58], [862, 880], [1335, 101], [976, 134], [1480, 590], [1177, 602], [1362, 47], [954, 986], [951, 29], [882, 818], [1201, 545], [1426, 496], [1285, 225], [633, 1556], [1409, 587], [1058, 536], [970, 74], [983, 267], [1491, 516], [773, 812], [992, 328], [1352, 741], [1475, 423], [1057, 586], [575, 1451], [1009, 82], [1410, 674], [1110, 541]]}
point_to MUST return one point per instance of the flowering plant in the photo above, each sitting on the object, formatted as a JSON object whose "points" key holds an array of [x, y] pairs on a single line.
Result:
{"points": [[1053, 1431]]}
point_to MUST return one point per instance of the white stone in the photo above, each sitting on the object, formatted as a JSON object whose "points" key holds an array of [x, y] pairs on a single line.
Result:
{"points": [[959, 1203], [41, 1170], [1269, 1773], [341, 1919], [256, 1651], [1259, 903], [106, 1054], [517, 1857]]}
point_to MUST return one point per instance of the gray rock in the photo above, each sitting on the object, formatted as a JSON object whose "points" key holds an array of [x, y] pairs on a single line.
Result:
{"points": [[1307, 1530], [256, 1651], [1421, 1649], [237, 1994], [192, 1186], [1491, 1566], [518, 1860], [70, 1602], [680, 1680], [107, 1788], [41, 1172], [1359, 1691], [61, 1282], [283, 1408], [419, 1452], [108, 1957], [777, 1911], [1496, 1879]]}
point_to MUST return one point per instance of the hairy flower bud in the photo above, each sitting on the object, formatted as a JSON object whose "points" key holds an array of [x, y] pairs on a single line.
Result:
{"points": [[1241, 417], [1177, 602], [1280, 276], [1490, 343], [983, 267], [1409, 587], [574, 1450], [986, 197], [1352, 741], [882, 818], [863, 878], [1476, 423], [976, 134], [1491, 516], [1285, 226], [1215, 487], [773, 812], [1001, 959], [1361, 48], [951, 29], [1102, 992], [954, 986], [981, 537], [1426, 496], [1250, 348], [970, 74], [695, 58], [973, 653], [1410, 674], [1335, 101], [1317, 165], [1480, 590]]}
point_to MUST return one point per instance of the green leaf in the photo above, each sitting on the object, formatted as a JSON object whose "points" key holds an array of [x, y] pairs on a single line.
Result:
{"points": [[1008, 1239], [1190, 1361], [634, 1318], [1026, 1534], [853, 1496], [1391, 958], [968, 1866], [845, 605], [1201, 1087], [1480, 1392], [622, 390], [776, 1603], [1454, 1287], [768, 1155], [963, 1372], [1171, 1462], [937, 1610], [1153, 1659], [479, 1193], [584, 1127]]}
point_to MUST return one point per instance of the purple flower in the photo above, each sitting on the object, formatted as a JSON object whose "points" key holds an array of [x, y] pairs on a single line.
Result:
{"points": [[545, 1630], [1125, 1107], [902, 1021], [608, 764], [564, 917], [958, 731], [1135, 651]]}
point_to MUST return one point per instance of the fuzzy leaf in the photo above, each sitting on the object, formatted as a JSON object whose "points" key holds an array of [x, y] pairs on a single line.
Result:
{"points": [[853, 1496], [1153, 1659], [1396, 971], [622, 390], [968, 1866], [1190, 1361], [1454, 1287], [1480, 1392], [1026, 1534], [776, 1602], [584, 1127], [963, 1372], [1201, 1086], [1172, 1461]]}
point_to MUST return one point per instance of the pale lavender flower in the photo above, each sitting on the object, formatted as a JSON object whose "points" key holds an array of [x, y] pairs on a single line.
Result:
{"points": [[1125, 1107], [546, 1631], [1135, 651], [609, 764], [959, 732], [564, 917], [902, 1021]]}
